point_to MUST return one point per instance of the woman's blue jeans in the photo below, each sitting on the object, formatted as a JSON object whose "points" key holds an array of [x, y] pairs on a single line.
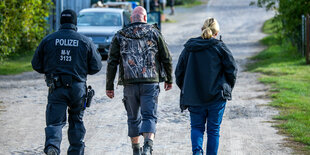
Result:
{"points": [[199, 115]]}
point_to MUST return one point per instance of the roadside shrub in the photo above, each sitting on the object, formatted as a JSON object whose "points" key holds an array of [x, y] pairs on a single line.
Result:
{"points": [[22, 25], [288, 12]]}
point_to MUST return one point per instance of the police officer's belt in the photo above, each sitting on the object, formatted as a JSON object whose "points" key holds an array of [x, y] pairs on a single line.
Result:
{"points": [[55, 81]]}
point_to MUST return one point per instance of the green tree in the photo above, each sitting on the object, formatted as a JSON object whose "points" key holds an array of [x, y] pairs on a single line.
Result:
{"points": [[289, 13], [22, 25]]}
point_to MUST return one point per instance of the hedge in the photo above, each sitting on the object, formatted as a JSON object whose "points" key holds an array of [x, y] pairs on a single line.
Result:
{"points": [[22, 25], [288, 12]]}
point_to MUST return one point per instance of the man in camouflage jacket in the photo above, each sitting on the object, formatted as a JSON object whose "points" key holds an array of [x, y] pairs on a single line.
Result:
{"points": [[144, 59]]}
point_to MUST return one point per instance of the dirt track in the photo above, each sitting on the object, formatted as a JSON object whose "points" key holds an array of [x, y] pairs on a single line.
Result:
{"points": [[246, 127]]}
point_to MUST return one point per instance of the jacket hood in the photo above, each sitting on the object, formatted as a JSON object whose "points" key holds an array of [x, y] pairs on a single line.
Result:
{"points": [[198, 44], [136, 30]]}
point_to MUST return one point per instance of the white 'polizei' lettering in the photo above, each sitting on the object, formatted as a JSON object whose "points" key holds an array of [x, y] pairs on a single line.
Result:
{"points": [[67, 42]]}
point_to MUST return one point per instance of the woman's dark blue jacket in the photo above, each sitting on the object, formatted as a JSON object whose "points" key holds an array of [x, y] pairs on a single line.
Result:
{"points": [[206, 72]]}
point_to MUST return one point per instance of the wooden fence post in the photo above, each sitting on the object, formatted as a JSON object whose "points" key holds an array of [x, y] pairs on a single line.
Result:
{"points": [[307, 39], [303, 35]]}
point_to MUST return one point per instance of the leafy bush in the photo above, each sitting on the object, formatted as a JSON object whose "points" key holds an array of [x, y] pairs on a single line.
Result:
{"points": [[22, 25], [288, 12]]}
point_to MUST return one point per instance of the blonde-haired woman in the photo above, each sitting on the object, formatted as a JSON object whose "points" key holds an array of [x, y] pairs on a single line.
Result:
{"points": [[206, 74]]}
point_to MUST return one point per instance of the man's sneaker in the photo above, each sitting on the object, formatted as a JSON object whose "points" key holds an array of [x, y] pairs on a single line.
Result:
{"points": [[52, 151], [136, 149], [148, 147]]}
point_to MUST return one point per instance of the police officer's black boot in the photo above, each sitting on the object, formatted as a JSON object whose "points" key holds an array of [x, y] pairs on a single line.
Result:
{"points": [[136, 149], [147, 147]]}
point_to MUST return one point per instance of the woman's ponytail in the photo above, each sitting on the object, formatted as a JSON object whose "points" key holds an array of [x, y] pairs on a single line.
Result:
{"points": [[206, 33], [210, 28]]}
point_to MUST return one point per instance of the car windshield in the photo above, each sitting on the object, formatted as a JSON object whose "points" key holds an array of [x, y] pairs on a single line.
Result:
{"points": [[99, 19]]}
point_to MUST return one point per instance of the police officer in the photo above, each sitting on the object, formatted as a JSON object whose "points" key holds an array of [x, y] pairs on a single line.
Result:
{"points": [[66, 57]]}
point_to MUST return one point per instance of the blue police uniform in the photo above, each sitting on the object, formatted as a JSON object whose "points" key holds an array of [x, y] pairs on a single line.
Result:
{"points": [[68, 56]]}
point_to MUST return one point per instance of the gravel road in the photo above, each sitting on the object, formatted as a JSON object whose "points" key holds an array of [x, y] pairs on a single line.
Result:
{"points": [[247, 123]]}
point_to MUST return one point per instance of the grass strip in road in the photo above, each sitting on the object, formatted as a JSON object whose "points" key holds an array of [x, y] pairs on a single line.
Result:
{"points": [[16, 64], [169, 21], [289, 77], [194, 3]]}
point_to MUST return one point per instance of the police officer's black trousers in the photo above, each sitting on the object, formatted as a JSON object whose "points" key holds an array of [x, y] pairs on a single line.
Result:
{"points": [[56, 114]]}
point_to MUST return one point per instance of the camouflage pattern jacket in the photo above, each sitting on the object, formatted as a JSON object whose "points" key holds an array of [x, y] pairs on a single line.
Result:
{"points": [[142, 54]]}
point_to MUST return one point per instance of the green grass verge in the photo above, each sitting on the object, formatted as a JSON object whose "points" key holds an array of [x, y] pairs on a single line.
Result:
{"points": [[286, 71], [189, 5], [16, 64]]}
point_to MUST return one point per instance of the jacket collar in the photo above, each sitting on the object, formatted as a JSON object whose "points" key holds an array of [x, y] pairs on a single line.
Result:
{"points": [[68, 26], [136, 23]]}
